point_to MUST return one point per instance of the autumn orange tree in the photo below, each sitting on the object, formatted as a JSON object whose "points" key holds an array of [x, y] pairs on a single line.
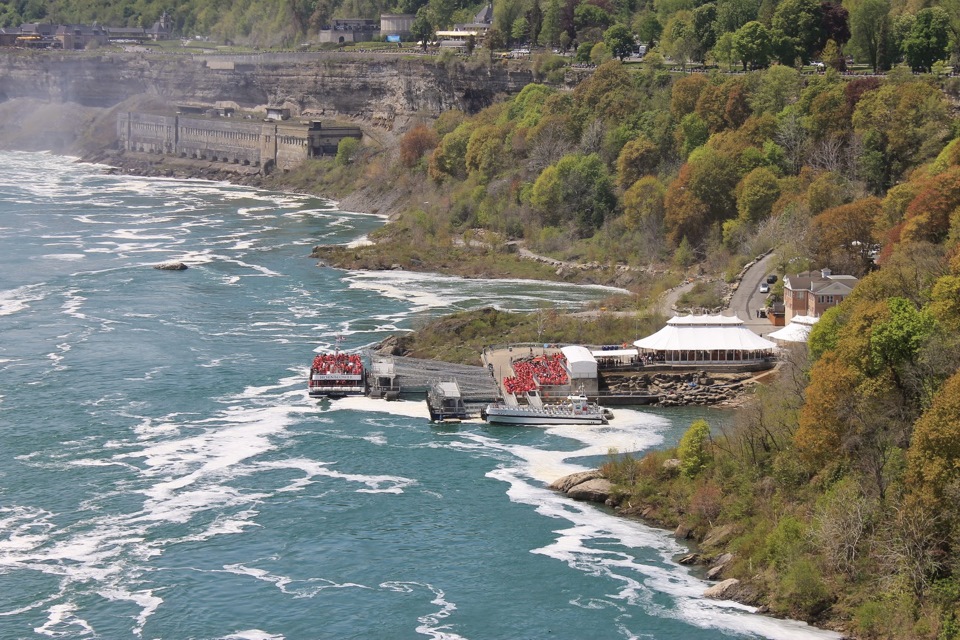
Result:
{"points": [[845, 236]]}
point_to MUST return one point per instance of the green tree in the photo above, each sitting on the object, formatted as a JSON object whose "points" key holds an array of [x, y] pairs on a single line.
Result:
{"points": [[723, 51], [643, 204], [733, 14], [934, 455], [551, 23], [704, 27], [799, 25], [587, 16], [639, 157], [679, 38], [505, 13], [535, 19], [895, 341], [778, 87], [619, 41], [694, 449], [599, 53], [577, 191], [448, 159], [440, 12], [870, 32], [756, 194], [421, 29], [900, 124], [520, 30], [752, 45], [347, 150], [929, 39], [648, 28], [692, 133], [485, 151]]}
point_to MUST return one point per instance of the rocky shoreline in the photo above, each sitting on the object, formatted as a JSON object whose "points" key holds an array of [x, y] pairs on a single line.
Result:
{"points": [[708, 553], [699, 388]]}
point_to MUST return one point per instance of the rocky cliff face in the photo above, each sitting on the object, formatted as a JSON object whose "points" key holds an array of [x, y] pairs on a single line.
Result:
{"points": [[381, 88]]}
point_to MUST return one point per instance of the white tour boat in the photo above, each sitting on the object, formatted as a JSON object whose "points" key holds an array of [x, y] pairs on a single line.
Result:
{"points": [[575, 409]]}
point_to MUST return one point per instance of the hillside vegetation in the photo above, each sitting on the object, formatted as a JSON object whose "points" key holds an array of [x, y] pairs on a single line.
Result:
{"points": [[751, 33], [840, 482]]}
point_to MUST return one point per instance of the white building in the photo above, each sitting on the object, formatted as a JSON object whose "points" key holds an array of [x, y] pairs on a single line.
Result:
{"points": [[706, 340]]}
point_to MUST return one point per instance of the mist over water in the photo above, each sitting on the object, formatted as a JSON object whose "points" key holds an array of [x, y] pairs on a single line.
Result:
{"points": [[163, 473]]}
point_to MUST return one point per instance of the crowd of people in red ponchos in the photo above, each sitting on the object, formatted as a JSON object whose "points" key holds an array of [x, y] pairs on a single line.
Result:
{"points": [[537, 371], [337, 363]]}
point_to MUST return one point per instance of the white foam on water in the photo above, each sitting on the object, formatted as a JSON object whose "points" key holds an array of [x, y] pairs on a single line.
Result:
{"points": [[424, 291], [300, 588], [313, 469], [15, 300], [603, 544], [138, 234], [418, 299], [252, 634], [362, 241], [429, 625], [147, 602], [64, 256], [61, 621], [407, 408], [22, 530], [73, 303]]}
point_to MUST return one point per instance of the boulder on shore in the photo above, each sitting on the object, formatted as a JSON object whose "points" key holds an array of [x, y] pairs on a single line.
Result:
{"points": [[723, 590], [596, 490], [170, 266], [566, 483], [586, 485]]}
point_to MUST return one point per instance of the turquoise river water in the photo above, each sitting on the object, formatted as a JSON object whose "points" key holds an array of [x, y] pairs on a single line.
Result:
{"points": [[163, 473]]}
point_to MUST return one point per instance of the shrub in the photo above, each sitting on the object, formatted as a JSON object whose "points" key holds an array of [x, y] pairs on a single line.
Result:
{"points": [[346, 150], [693, 450], [804, 589]]}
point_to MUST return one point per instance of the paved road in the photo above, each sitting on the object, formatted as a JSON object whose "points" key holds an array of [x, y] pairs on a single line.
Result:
{"points": [[747, 298]]}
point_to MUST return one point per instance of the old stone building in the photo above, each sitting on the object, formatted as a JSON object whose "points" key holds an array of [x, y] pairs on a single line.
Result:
{"points": [[221, 136]]}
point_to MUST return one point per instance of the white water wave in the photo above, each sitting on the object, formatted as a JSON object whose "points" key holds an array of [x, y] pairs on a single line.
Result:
{"points": [[602, 544], [307, 588], [425, 291], [252, 634], [430, 623], [61, 621], [15, 300]]}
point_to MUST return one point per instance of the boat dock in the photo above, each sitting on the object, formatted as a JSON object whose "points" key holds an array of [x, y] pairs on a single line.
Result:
{"points": [[400, 377]]}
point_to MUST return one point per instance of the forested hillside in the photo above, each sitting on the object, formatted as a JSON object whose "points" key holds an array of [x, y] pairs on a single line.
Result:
{"points": [[748, 33], [839, 482]]}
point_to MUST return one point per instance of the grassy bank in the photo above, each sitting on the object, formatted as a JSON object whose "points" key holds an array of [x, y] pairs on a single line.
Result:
{"points": [[461, 337]]}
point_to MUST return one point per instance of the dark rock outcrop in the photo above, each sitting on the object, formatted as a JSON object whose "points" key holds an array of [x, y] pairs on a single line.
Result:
{"points": [[170, 266]]}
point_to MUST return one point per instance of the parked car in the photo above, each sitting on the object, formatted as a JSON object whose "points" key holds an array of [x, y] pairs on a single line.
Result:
{"points": [[764, 288], [771, 278]]}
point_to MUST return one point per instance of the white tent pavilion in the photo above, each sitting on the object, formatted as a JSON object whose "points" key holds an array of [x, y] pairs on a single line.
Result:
{"points": [[580, 362], [706, 339], [797, 330]]}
